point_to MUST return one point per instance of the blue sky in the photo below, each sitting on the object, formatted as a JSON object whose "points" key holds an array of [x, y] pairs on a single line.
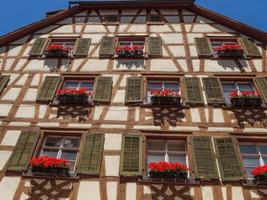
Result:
{"points": [[18, 13]]}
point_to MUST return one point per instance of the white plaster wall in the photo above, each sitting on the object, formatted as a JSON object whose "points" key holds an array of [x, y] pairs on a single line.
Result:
{"points": [[9, 62], [11, 138], [4, 109], [25, 111], [195, 115], [64, 29], [14, 50], [4, 156], [12, 94], [112, 190], [160, 28], [137, 28], [236, 191], [95, 65], [20, 64], [112, 141], [112, 164], [95, 28], [172, 38], [119, 96], [131, 191], [30, 95], [218, 115], [163, 65], [177, 50], [8, 187], [36, 65], [201, 28], [89, 190], [22, 80], [117, 113], [207, 193], [97, 112]]}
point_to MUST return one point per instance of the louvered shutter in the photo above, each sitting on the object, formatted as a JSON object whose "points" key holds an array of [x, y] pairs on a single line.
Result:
{"points": [[91, 155], [193, 90], [262, 85], [131, 163], [23, 151], [214, 91], [107, 47], [48, 89], [250, 48], [154, 46], [203, 158], [230, 166], [4, 79], [82, 47], [38, 47], [203, 47], [103, 89], [134, 89]]}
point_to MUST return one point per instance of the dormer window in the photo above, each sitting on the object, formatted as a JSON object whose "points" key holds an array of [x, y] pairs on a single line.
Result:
{"points": [[111, 19], [155, 19]]}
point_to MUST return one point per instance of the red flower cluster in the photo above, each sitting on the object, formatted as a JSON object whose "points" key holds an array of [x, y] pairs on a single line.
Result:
{"points": [[55, 47], [72, 92], [244, 94], [46, 162], [229, 47], [164, 93], [128, 49], [260, 171], [163, 166]]}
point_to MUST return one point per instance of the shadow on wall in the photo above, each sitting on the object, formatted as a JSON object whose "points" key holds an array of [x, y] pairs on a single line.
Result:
{"points": [[233, 65], [54, 66], [131, 64]]}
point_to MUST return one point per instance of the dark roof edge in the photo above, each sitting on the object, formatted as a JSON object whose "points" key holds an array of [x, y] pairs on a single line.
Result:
{"points": [[230, 23]]}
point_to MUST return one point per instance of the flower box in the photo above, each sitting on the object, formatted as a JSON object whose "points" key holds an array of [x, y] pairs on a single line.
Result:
{"points": [[130, 52], [165, 97], [260, 175], [164, 171], [48, 166], [57, 51], [226, 51], [73, 97], [245, 99]]}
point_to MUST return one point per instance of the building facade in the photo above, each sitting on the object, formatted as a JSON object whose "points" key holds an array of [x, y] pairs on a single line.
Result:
{"points": [[114, 86]]}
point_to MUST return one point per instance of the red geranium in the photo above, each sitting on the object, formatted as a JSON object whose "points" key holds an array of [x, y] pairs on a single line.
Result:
{"points": [[82, 91], [46, 162], [229, 47], [244, 94], [260, 171], [163, 166], [164, 93], [56, 47]]}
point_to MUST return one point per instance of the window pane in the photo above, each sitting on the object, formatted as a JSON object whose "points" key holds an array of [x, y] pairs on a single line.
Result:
{"points": [[122, 44], [156, 145], [71, 142], [248, 149], [72, 164], [69, 155], [177, 158], [154, 85], [263, 149], [155, 158], [248, 171], [174, 145], [251, 161], [245, 87], [229, 87], [172, 86], [53, 141], [71, 84], [264, 160], [49, 153], [87, 85]]}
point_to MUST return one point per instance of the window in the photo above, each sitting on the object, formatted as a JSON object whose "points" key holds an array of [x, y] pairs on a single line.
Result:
{"points": [[111, 19], [132, 49], [166, 150], [65, 147], [70, 43], [159, 85], [215, 43], [240, 86], [75, 84], [155, 18], [131, 43], [253, 155]]}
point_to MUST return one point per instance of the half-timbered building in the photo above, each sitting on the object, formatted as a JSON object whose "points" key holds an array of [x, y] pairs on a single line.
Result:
{"points": [[86, 85]]}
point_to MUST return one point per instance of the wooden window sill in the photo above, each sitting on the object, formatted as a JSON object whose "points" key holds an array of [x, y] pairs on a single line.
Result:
{"points": [[29, 175]]}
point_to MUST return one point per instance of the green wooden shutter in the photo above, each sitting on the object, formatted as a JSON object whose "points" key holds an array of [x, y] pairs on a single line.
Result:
{"points": [[103, 89], [193, 90], [250, 48], [48, 89], [23, 151], [4, 79], [214, 91], [107, 47], [82, 47], [230, 165], [131, 163], [203, 158], [38, 47], [91, 155], [203, 47], [134, 89], [262, 85], [154, 46]]}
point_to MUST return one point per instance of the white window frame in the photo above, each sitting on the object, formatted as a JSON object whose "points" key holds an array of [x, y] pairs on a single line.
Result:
{"points": [[79, 83]]}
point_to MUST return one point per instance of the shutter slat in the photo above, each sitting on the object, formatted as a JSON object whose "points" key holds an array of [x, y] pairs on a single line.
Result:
{"points": [[250, 47], [213, 90], [193, 90], [82, 47], [131, 156], [107, 46], [230, 166], [4, 79], [21, 155], [262, 85], [134, 90], [154, 46], [91, 155], [204, 158], [48, 89], [102, 92], [203, 47], [38, 47]]}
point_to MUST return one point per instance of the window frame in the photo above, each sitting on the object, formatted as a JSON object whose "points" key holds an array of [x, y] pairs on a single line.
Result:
{"points": [[67, 39], [150, 22]]}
